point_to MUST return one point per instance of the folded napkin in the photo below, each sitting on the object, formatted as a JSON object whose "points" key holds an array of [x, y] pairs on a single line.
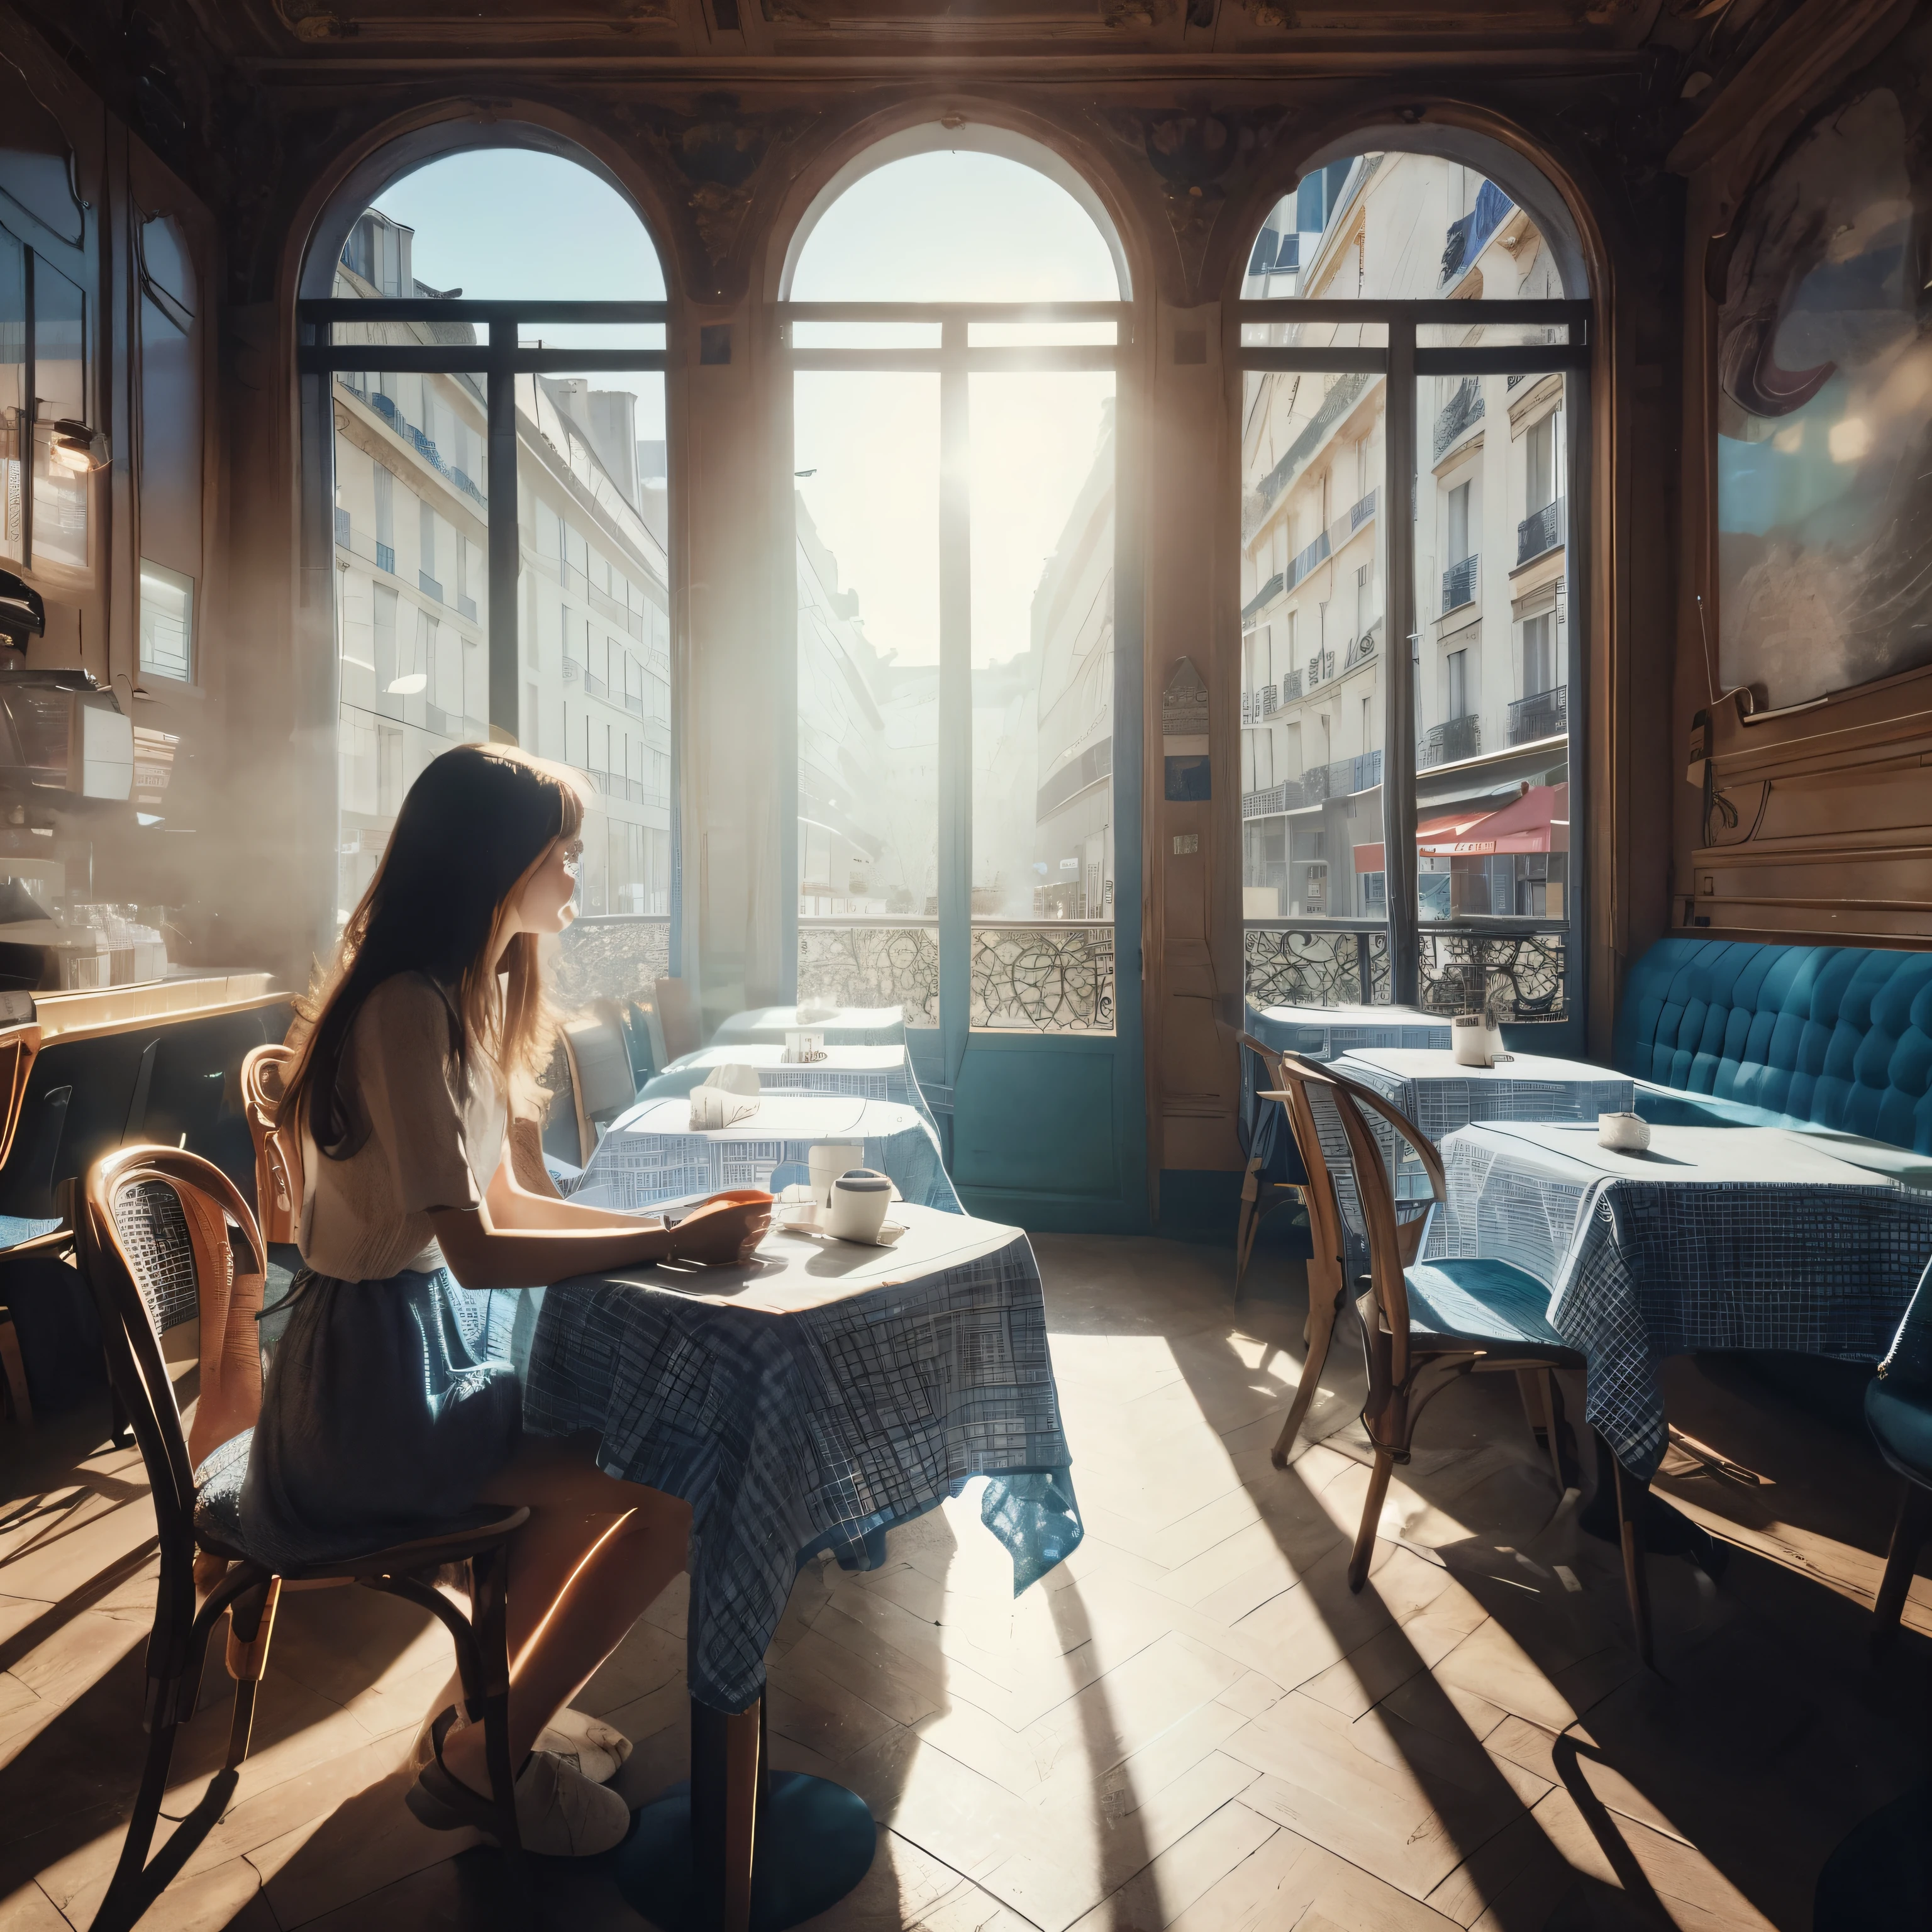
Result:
{"points": [[729, 1094]]}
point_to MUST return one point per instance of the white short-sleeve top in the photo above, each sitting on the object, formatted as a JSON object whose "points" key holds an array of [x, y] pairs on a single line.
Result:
{"points": [[366, 1218]]}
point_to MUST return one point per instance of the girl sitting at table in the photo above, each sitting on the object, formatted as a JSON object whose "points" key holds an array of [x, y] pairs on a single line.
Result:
{"points": [[381, 1418]]}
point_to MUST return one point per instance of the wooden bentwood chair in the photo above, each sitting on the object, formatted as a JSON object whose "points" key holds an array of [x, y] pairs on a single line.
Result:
{"points": [[165, 1238], [1426, 1324], [278, 1154]]}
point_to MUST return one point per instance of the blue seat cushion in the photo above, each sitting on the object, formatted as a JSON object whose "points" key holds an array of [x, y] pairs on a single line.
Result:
{"points": [[217, 1492], [1900, 1416], [1487, 1302]]}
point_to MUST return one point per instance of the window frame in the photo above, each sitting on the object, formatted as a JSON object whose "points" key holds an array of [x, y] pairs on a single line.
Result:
{"points": [[955, 360], [1399, 362]]}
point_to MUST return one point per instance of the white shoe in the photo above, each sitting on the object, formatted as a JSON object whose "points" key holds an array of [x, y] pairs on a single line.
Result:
{"points": [[560, 1814], [589, 1746]]}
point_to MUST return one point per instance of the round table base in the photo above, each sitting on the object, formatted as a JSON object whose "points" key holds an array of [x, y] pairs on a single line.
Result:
{"points": [[815, 1842]]}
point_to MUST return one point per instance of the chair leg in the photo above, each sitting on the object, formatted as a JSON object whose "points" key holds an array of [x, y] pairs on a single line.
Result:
{"points": [[1325, 1304], [489, 1574], [126, 1898], [1908, 1535], [1372, 1515], [1538, 1389], [16, 1371], [1636, 1583], [251, 1623]]}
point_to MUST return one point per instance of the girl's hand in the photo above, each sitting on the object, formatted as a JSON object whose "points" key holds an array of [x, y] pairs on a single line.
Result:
{"points": [[723, 1231]]}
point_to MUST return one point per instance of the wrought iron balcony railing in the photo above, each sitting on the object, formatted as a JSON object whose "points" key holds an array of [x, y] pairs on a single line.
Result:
{"points": [[1459, 584], [1039, 976], [1454, 738], [1541, 531], [1455, 418], [1544, 714], [1346, 963], [429, 585], [385, 557]]}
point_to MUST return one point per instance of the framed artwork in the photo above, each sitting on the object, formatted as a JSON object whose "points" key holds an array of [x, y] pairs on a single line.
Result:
{"points": [[1824, 456]]}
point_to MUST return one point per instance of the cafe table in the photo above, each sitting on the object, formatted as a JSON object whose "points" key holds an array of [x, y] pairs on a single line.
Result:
{"points": [[870, 1073], [849, 1026], [1713, 1238], [1316, 1033], [650, 1154], [806, 1402]]}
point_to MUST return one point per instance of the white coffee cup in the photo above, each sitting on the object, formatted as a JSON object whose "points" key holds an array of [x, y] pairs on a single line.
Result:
{"points": [[826, 1163], [860, 1198], [1628, 1133]]}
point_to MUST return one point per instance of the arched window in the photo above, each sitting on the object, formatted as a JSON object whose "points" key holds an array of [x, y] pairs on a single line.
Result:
{"points": [[965, 841], [1414, 361], [563, 517]]}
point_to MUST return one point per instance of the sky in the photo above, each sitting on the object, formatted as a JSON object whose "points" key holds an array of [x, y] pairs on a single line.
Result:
{"points": [[945, 226]]}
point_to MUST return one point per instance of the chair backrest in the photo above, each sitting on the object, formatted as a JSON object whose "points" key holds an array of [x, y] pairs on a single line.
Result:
{"points": [[1391, 1244], [1288, 1086], [677, 1017], [155, 1250], [278, 1154], [19, 1047], [600, 1069]]}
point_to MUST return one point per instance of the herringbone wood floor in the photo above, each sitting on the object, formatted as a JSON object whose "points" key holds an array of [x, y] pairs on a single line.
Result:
{"points": [[1192, 1724]]}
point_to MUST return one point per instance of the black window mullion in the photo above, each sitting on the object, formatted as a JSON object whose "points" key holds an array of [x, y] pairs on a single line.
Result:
{"points": [[1399, 859]]}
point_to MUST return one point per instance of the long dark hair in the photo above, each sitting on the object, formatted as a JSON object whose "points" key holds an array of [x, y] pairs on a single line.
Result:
{"points": [[476, 822]]}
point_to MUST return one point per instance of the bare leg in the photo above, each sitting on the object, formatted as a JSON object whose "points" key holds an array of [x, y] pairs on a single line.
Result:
{"points": [[595, 1555]]}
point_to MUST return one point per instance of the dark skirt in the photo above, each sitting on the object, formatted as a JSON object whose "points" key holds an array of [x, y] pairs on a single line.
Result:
{"points": [[381, 1419]]}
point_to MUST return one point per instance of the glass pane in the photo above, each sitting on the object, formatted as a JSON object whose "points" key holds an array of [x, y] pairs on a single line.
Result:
{"points": [[865, 334], [1042, 334], [1314, 335], [60, 383], [867, 449], [1043, 562], [1492, 693], [1490, 334], [1313, 633], [13, 393], [575, 335], [412, 529], [167, 622], [955, 226], [1415, 227]]}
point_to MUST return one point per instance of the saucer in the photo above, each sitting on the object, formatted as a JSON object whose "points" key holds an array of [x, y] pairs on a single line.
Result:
{"points": [[806, 1224]]}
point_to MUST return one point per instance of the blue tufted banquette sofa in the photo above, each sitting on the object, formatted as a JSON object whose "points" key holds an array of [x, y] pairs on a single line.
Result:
{"points": [[1730, 1032]]}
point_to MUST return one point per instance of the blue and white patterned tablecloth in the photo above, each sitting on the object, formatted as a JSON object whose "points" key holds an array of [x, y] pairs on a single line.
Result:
{"points": [[1320, 1032], [1316, 1033], [849, 1026], [809, 1403], [865, 1073], [649, 1154], [1426, 1084], [1718, 1237]]}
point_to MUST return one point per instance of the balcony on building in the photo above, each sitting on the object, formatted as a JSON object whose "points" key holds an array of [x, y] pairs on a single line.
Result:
{"points": [[1544, 714], [1458, 584], [1453, 739], [1541, 531]]}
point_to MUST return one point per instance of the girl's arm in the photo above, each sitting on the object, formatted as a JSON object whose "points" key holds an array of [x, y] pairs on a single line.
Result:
{"points": [[481, 1254]]}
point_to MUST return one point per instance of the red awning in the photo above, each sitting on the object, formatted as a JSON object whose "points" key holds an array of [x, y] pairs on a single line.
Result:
{"points": [[1538, 821], [1369, 859]]}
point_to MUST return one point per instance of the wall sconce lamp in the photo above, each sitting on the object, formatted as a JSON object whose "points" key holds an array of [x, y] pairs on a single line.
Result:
{"points": [[78, 449]]}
